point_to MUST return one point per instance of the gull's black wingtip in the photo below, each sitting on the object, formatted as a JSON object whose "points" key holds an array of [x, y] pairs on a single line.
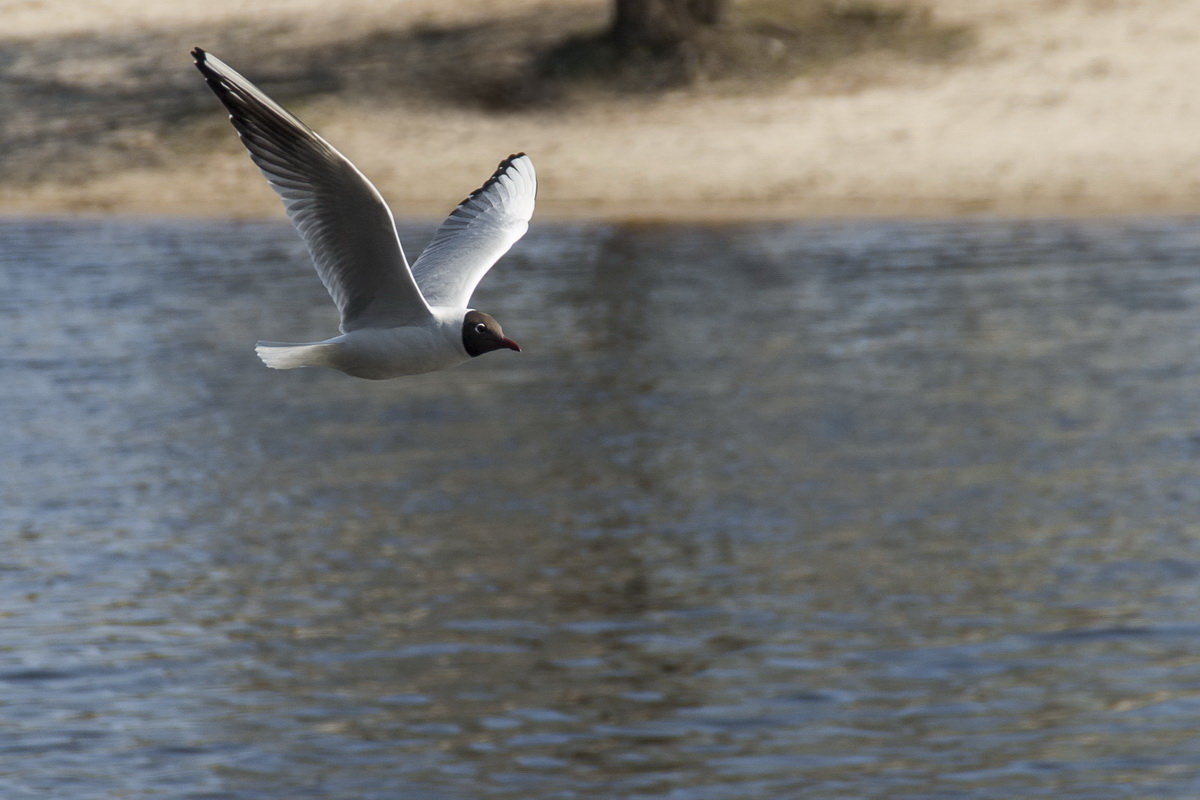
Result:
{"points": [[199, 55], [505, 164]]}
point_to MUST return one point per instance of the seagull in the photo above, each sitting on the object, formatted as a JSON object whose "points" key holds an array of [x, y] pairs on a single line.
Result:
{"points": [[395, 320]]}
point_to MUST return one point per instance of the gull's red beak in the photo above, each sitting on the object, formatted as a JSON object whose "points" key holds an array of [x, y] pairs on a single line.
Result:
{"points": [[510, 344]]}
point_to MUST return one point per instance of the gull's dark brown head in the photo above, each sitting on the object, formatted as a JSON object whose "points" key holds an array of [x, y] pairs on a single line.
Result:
{"points": [[482, 334]]}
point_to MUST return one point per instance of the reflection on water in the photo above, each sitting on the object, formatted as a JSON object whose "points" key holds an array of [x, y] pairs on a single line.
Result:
{"points": [[846, 510]]}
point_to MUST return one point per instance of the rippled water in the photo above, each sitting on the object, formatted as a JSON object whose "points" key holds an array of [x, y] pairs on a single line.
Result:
{"points": [[861, 510]]}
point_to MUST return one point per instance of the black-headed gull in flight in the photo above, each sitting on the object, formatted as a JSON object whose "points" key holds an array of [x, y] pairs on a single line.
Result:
{"points": [[395, 320]]}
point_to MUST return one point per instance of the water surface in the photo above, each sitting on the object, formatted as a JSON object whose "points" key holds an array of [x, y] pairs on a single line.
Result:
{"points": [[859, 510]]}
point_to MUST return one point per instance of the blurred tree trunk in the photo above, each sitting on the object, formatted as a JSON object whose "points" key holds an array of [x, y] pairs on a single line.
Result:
{"points": [[664, 25]]}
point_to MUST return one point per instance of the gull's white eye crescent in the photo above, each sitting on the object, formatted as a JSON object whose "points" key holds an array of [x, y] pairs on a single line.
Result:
{"points": [[480, 328]]}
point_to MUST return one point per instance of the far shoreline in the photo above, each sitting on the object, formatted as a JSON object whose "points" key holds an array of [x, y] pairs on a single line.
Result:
{"points": [[1053, 111], [715, 212]]}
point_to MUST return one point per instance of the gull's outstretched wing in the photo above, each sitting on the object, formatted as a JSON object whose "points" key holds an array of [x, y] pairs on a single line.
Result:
{"points": [[477, 233], [348, 228]]}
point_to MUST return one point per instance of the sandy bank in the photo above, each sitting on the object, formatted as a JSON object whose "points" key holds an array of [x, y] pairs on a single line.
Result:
{"points": [[1060, 107]]}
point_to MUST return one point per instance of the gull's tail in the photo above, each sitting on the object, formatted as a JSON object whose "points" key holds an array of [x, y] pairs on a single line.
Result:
{"points": [[282, 355]]}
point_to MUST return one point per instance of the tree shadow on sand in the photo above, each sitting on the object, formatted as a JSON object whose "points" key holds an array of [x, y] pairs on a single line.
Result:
{"points": [[558, 57]]}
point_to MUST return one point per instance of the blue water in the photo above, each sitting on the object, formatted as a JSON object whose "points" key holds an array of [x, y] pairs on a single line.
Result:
{"points": [[852, 510]]}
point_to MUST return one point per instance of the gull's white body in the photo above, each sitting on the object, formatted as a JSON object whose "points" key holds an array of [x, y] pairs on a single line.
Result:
{"points": [[395, 320], [379, 353]]}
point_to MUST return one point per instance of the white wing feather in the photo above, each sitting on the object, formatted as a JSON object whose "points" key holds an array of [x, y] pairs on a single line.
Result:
{"points": [[480, 230], [343, 220]]}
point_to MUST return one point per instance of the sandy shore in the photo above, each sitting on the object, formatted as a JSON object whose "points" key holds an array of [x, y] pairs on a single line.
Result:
{"points": [[1055, 107]]}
